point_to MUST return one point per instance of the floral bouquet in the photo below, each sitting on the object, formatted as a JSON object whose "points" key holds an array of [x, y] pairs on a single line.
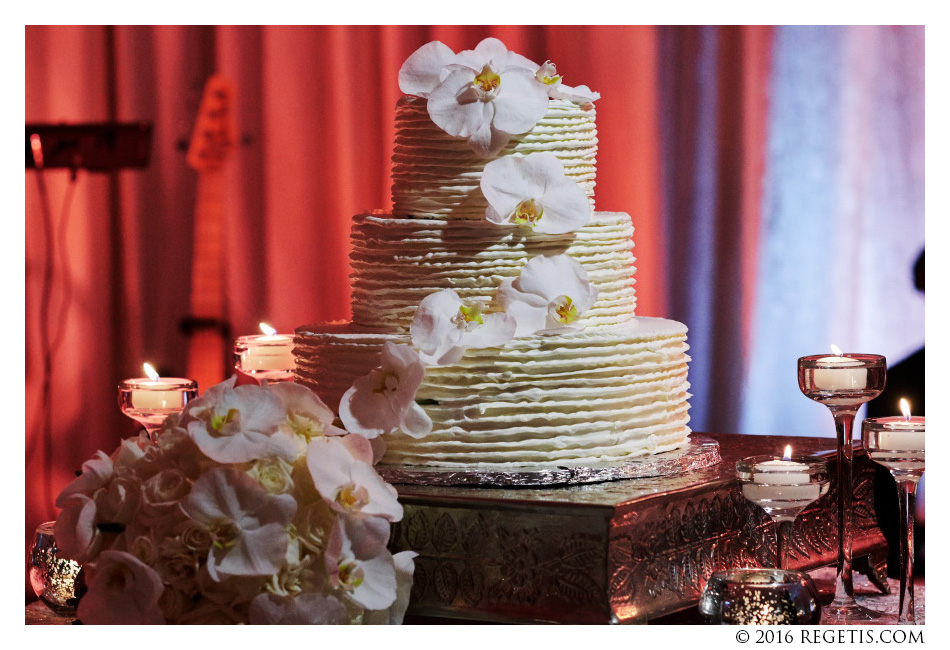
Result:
{"points": [[250, 507]]}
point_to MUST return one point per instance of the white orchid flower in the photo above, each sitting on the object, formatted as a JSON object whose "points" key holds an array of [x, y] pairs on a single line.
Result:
{"points": [[534, 191], [405, 567], [123, 590], [549, 296], [237, 424], [444, 327], [485, 95], [96, 473], [76, 529], [307, 416], [248, 526], [369, 581], [348, 484], [307, 608], [547, 74], [385, 399]]}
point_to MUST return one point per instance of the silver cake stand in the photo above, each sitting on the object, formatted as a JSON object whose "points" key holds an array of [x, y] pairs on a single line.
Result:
{"points": [[699, 452]]}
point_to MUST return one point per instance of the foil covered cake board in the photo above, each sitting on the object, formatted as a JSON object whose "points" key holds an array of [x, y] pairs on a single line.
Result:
{"points": [[621, 551], [699, 453]]}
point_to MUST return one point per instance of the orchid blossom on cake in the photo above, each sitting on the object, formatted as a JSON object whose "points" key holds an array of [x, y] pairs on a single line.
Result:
{"points": [[549, 296], [250, 507], [534, 191], [485, 95], [547, 74], [444, 327], [385, 399]]}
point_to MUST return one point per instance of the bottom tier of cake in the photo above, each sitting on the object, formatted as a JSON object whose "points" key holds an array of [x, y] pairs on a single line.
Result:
{"points": [[591, 396]]}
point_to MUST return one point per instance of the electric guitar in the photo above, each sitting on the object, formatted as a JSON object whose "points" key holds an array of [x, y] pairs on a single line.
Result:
{"points": [[207, 330]]}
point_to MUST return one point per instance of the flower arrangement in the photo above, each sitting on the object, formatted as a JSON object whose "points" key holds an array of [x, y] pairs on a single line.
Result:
{"points": [[250, 507]]}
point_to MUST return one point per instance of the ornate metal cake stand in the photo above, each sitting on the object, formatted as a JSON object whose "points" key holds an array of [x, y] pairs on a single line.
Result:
{"points": [[700, 452], [620, 551]]}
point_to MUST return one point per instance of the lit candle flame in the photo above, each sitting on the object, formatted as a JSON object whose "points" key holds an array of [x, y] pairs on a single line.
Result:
{"points": [[267, 329], [836, 350], [788, 453], [905, 409], [150, 372]]}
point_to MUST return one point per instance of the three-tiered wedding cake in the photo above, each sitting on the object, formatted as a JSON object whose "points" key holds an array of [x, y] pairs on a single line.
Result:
{"points": [[493, 310]]}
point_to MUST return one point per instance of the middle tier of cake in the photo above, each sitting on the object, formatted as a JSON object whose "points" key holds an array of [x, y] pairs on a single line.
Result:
{"points": [[582, 397], [398, 262]]}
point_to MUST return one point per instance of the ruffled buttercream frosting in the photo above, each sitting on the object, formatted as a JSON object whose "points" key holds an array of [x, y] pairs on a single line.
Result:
{"points": [[436, 175], [590, 396], [398, 262]]}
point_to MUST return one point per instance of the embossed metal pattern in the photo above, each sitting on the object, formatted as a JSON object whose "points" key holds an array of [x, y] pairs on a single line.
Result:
{"points": [[700, 452], [616, 552]]}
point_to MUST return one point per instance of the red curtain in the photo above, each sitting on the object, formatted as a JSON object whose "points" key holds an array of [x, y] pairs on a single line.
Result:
{"points": [[315, 121]]}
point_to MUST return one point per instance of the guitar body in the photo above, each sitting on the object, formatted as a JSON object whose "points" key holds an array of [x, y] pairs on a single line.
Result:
{"points": [[209, 337]]}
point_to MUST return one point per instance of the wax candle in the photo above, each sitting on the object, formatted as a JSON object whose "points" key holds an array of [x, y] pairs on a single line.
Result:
{"points": [[840, 373], [264, 353], [149, 394], [899, 433], [267, 352], [781, 472]]}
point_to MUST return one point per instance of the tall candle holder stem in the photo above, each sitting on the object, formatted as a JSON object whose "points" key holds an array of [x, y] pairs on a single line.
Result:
{"points": [[844, 580], [907, 497], [899, 445]]}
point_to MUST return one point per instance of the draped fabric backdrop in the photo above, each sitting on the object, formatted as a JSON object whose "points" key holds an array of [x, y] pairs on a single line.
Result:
{"points": [[774, 177]]}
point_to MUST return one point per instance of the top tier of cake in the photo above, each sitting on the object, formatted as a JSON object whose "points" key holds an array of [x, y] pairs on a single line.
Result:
{"points": [[436, 175]]}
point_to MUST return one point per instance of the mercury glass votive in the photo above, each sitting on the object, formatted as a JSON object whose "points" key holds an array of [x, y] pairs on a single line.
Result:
{"points": [[897, 443], [149, 401], [266, 356], [783, 486], [760, 597], [53, 578]]}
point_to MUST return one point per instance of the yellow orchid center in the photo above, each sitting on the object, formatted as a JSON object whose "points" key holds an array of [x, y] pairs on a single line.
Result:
{"points": [[387, 382], [351, 575], [304, 427], [564, 310], [224, 533], [527, 213], [547, 74], [487, 80], [352, 497], [468, 318], [218, 421]]}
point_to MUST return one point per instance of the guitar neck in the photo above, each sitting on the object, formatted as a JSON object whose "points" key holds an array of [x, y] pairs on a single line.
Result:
{"points": [[207, 279], [208, 355]]}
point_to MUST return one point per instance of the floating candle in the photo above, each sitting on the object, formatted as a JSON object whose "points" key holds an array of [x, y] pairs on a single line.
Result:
{"points": [[779, 483], [269, 355], [156, 393], [839, 372], [150, 400]]}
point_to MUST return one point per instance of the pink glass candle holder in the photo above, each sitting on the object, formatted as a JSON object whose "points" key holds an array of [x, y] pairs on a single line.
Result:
{"points": [[266, 356], [149, 401], [897, 443], [783, 486], [843, 382]]}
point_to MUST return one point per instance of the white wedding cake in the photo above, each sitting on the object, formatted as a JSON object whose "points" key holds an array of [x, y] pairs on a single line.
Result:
{"points": [[493, 310]]}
